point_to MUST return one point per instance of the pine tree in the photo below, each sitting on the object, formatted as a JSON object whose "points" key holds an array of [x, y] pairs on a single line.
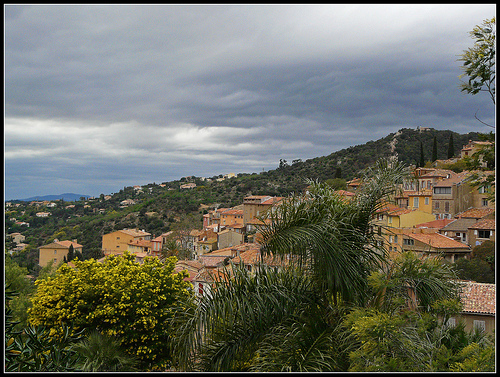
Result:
{"points": [[422, 160], [338, 173], [71, 253], [451, 148], [434, 150]]}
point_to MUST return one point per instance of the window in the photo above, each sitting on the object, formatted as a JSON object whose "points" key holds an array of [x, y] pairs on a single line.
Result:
{"points": [[396, 239], [426, 200], [447, 206], [479, 325], [429, 184], [389, 219], [117, 238], [408, 241], [55, 252], [436, 205], [415, 202], [484, 234], [484, 202], [390, 239], [451, 322], [442, 190]]}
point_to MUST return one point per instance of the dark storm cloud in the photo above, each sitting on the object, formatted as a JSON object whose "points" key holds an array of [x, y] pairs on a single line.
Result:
{"points": [[102, 96]]}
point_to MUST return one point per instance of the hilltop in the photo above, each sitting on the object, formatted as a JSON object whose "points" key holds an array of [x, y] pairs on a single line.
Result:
{"points": [[158, 208]]}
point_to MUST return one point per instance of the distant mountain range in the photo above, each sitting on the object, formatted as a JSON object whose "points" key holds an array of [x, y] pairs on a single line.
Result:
{"points": [[67, 197]]}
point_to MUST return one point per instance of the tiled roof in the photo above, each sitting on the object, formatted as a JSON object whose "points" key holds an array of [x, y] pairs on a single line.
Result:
{"points": [[211, 261], [134, 232], [69, 243], [438, 241], [478, 297], [141, 243], [453, 180], [400, 211], [233, 212], [460, 225], [475, 213], [388, 207], [438, 224], [61, 245], [438, 173], [484, 224], [273, 200]]}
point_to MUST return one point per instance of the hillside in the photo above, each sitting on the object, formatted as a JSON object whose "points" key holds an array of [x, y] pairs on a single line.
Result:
{"points": [[160, 208]]}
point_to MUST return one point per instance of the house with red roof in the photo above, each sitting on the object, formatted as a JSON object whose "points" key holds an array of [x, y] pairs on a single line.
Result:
{"points": [[435, 244], [56, 251], [479, 306], [481, 231]]}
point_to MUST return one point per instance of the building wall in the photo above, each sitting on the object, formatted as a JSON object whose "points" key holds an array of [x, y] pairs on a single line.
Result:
{"points": [[414, 218], [487, 320], [117, 242], [474, 240], [53, 252], [228, 239]]}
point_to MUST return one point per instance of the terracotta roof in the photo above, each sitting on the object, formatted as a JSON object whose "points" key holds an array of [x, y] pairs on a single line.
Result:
{"points": [[475, 213], [438, 173], [142, 243], [344, 193], [388, 208], [478, 297], [438, 224], [233, 212], [211, 261], [400, 211], [484, 224], [438, 241], [134, 232], [453, 180], [273, 200], [61, 245]]}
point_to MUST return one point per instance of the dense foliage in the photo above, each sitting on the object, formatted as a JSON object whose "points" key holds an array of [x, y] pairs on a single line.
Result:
{"points": [[118, 297]]}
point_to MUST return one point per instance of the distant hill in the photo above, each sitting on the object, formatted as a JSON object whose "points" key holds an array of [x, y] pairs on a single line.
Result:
{"points": [[67, 197]]}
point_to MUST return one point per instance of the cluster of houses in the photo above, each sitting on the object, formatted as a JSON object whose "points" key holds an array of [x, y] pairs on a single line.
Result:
{"points": [[438, 212]]}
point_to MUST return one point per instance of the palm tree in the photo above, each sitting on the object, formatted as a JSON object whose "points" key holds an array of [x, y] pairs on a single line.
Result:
{"points": [[100, 353], [291, 319]]}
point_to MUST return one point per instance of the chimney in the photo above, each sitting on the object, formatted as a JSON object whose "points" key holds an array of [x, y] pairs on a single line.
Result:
{"points": [[75, 241]]}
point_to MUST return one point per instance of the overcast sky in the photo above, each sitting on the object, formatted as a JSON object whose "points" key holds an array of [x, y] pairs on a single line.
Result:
{"points": [[98, 97]]}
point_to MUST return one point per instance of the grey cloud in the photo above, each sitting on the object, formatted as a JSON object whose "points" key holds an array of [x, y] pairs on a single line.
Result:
{"points": [[173, 90]]}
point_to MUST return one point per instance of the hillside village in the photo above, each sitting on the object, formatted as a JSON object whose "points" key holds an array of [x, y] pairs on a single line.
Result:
{"points": [[437, 213]]}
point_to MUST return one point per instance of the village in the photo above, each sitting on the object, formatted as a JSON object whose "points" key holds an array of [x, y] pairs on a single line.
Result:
{"points": [[438, 213]]}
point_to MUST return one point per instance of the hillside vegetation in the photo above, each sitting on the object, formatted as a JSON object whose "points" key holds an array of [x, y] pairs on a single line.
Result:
{"points": [[161, 208]]}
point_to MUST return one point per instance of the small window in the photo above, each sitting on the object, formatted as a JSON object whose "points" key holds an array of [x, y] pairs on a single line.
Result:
{"points": [[451, 322], [117, 238], [55, 252], [479, 325], [396, 239], [415, 202], [484, 234], [447, 206], [436, 205], [408, 241], [426, 201], [484, 202], [389, 219]]}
